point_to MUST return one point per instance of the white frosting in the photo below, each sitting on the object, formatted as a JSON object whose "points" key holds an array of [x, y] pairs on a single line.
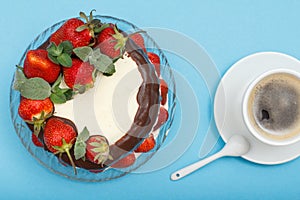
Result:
{"points": [[110, 106]]}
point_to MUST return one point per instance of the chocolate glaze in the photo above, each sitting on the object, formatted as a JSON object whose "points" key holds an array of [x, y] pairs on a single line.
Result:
{"points": [[146, 115]]}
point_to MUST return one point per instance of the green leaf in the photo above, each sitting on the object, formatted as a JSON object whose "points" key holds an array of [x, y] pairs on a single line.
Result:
{"points": [[65, 60], [67, 47], [54, 50], [110, 70], [36, 89], [69, 94], [101, 63], [80, 145], [83, 53], [84, 135], [58, 98], [53, 58], [57, 82], [96, 54], [19, 80], [79, 149]]}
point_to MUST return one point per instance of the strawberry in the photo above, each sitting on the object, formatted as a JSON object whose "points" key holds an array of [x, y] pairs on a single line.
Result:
{"points": [[59, 137], [80, 74], [155, 60], [163, 91], [162, 118], [36, 141], [77, 32], [37, 64], [35, 112], [111, 42], [68, 32], [97, 149], [147, 145], [125, 162], [139, 40]]}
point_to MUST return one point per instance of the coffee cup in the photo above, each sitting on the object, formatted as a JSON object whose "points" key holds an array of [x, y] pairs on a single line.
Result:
{"points": [[271, 107]]}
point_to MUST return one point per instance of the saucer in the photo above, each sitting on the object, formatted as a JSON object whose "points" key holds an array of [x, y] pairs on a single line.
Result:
{"points": [[228, 105]]}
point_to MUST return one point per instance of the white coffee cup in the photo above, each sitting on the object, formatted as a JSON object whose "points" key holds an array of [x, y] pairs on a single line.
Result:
{"points": [[271, 107]]}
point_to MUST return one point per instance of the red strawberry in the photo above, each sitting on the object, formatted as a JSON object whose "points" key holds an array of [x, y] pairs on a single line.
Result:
{"points": [[139, 40], [125, 162], [59, 136], [162, 117], [163, 91], [147, 145], [111, 42], [97, 149], [35, 112], [155, 60], [79, 74], [37, 64], [36, 141], [68, 32]]}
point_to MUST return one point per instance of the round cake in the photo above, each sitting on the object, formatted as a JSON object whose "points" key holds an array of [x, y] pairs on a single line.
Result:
{"points": [[93, 95]]}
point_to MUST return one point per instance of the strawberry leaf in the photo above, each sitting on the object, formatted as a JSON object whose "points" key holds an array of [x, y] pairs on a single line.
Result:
{"points": [[84, 135], [36, 89], [83, 53], [102, 62], [53, 58], [57, 82], [67, 47], [19, 80], [80, 145], [54, 50], [109, 70], [69, 94], [60, 95], [65, 60], [58, 98]]}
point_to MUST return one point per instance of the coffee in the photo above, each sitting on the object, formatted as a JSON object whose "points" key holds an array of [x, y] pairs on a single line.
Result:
{"points": [[274, 106]]}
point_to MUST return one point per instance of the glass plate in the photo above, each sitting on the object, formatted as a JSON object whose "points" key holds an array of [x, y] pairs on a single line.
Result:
{"points": [[48, 159]]}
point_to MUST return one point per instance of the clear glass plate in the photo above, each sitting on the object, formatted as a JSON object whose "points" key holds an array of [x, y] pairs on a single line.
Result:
{"points": [[49, 160]]}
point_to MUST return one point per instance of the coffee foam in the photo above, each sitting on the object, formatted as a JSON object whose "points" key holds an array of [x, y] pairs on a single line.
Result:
{"points": [[274, 106]]}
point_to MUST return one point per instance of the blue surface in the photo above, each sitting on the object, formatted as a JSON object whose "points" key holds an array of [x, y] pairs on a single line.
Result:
{"points": [[228, 30]]}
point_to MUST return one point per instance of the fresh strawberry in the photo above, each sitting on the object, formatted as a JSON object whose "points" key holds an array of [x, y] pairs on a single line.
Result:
{"points": [[36, 141], [111, 42], [155, 60], [163, 91], [147, 145], [68, 32], [80, 74], [97, 149], [139, 40], [59, 136], [37, 64], [35, 112], [125, 162], [162, 118]]}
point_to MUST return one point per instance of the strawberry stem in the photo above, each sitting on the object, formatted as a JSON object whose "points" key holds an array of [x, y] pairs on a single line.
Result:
{"points": [[71, 160]]}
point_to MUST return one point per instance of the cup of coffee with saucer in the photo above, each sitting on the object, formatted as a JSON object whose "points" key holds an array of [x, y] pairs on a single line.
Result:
{"points": [[271, 107]]}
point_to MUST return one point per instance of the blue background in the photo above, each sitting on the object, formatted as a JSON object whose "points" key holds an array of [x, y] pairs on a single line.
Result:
{"points": [[228, 30]]}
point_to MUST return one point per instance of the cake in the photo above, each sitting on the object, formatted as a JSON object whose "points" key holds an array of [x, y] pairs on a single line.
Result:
{"points": [[93, 95]]}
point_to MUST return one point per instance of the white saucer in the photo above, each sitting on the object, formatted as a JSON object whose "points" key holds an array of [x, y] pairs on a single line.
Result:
{"points": [[228, 105]]}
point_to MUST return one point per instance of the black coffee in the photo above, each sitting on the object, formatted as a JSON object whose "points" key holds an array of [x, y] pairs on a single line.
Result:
{"points": [[273, 106]]}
